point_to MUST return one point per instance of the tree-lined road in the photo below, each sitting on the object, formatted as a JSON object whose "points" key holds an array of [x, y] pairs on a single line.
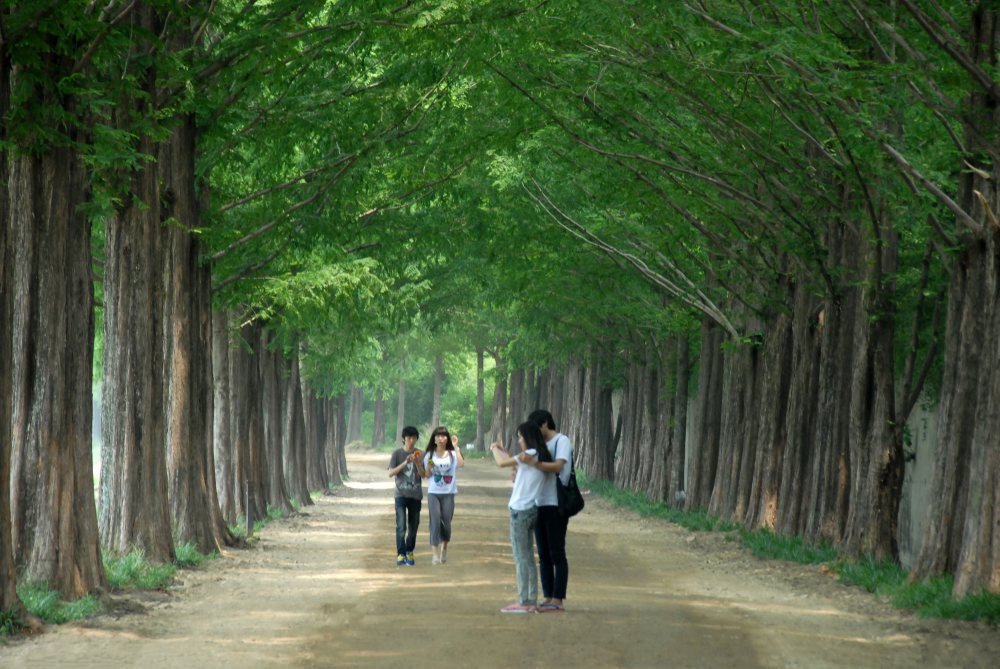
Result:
{"points": [[322, 590]]}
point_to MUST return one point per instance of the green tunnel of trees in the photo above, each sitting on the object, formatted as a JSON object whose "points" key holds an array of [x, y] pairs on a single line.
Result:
{"points": [[237, 214]]}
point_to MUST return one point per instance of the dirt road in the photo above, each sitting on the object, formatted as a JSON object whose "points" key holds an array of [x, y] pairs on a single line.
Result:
{"points": [[322, 590]]}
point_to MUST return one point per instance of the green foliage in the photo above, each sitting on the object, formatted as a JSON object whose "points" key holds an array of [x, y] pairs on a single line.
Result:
{"points": [[766, 544], [930, 598], [10, 623], [50, 607], [188, 555], [133, 570], [698, 521]]}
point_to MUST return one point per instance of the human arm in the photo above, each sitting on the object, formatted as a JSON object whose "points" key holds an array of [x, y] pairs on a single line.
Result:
{"points": [[554, 467], [502, 457], [461, 458]]}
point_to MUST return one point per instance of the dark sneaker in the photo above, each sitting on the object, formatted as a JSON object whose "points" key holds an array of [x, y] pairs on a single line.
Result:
{"points": [[400, 560], [409, 559]]}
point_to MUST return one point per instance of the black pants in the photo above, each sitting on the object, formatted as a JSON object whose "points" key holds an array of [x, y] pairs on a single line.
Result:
{"points": [[407, 521], [550, 535]]}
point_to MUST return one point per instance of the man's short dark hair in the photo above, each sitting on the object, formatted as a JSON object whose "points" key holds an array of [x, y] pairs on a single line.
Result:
{"points": [[541, 417], [410, 431]]}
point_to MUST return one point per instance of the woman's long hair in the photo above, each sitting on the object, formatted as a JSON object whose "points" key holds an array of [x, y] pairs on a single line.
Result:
{"points": [[432, 445], [533, 438]]}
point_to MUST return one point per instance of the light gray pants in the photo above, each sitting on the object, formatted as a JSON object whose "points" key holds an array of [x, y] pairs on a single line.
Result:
{"points": [[522, 544], [441, 508]]}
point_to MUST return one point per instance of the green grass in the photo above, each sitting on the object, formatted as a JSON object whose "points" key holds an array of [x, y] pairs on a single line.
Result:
{"points": [[50, 607], [698, 521], [133, 571], [188, 556], [766, 544], [930, 598]]}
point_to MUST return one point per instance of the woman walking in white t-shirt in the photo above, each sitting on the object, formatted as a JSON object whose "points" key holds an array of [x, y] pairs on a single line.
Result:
{"points": [[441, 463], [528, 482]]}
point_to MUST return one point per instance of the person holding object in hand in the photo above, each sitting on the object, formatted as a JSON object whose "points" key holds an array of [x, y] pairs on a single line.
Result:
{"points": [[441, 463], [406, 465], [550, 534], [528, 482]]}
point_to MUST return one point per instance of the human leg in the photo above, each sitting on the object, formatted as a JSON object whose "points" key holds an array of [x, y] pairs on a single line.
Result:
{"points": [[522, 543], [546, 569], [434, 512], [400, 525], [412, 523], [557, 552], [447, 513]]}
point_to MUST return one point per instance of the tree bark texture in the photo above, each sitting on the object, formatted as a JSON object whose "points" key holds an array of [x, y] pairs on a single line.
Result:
{"points": [[438, 381], [480, 443], [293, 434], [9, 601], [378, 422], [272, 394], [962, 535], [187, 346], [246, 423], [54, 520], [135, 510], [498, 420], [314, 410], [223, 442], [400, 403], [354, 415], [705, 450]]}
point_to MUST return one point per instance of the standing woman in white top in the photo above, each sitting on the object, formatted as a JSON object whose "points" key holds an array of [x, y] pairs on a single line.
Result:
{"points": [[528, 483], [441, 463]]}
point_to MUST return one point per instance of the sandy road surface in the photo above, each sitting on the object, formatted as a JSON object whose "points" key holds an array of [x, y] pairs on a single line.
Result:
{"points": [[322, 590]]}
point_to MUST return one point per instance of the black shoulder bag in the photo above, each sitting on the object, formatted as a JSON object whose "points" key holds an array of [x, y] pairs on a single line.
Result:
{"points": [[570, 498]]}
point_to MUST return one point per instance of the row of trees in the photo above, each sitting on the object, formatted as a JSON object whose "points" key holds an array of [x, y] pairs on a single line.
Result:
{"points": [[816, 185], [780, 212]]}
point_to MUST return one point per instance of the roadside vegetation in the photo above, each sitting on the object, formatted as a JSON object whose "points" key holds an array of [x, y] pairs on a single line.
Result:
{"points": [[930, 598]]}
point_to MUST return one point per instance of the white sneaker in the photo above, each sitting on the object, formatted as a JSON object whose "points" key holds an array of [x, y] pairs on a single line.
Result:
{"points": [[435, 560]]}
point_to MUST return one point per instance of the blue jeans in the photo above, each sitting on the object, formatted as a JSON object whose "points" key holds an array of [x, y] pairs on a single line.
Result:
{"points": [[407, 521], [552, 565], [522, 543]]}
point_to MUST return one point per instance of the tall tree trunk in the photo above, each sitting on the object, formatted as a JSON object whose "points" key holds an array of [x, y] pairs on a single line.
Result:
{"points": [[246, 423], [338, 457], [401, 400], [963, 530], [480, 443], [438, 381], [135, 512], [272, 392], [314, 410], [515, 408], [187, 345], [802, 417], [354, 417], [705, 450], [223, 442], [9, 601], [293, 434], [378, 422], [54, 519], [773, 398], [498, 420], [678, 452]]}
